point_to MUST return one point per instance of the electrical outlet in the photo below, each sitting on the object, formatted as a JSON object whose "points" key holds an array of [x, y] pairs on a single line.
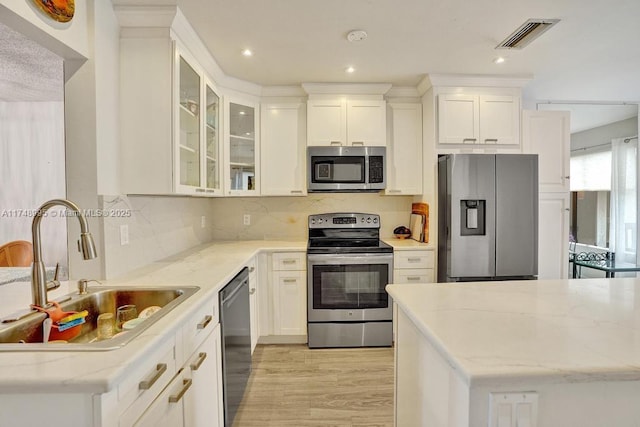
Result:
{"points": [[247, 219], [124, 234], [203, 221]]}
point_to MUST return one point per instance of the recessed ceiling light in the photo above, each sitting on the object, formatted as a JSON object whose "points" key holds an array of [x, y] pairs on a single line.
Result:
{"points": [[498, 60], [350, 70], [247, 52]]}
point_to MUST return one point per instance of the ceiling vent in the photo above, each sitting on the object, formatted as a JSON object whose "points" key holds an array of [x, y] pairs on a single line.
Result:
{"points": [[526, 33]]}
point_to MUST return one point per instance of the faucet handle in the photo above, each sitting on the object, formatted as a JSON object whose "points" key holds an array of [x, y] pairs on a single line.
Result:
{"points": [[55, 283]]}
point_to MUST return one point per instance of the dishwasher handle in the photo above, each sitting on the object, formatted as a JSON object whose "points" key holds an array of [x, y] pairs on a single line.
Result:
{"points": [[232, 294]]}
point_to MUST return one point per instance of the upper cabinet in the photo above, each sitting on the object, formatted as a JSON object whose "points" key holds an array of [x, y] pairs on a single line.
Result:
{"points": [[283, 149], [242, 147], [404, 150], [170, 113], [344, 121], [478, 119]]}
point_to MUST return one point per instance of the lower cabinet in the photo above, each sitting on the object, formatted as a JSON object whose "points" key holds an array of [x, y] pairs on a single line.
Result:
{"points": [[203, 403], [413, 266], [290, 303], [193, 398]]}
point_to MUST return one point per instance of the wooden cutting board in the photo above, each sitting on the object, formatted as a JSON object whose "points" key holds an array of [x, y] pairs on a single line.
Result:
{"points": [[423, 209]]}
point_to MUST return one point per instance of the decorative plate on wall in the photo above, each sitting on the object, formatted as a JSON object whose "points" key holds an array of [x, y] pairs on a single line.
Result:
{"points": [[60, 10]]}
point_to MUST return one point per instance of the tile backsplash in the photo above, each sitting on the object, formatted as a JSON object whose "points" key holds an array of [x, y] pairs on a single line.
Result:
{"points": [[159, 227]]}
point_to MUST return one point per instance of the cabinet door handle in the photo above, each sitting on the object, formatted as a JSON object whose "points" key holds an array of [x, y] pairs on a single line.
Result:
{"points": [[335, 143], [148, 383], [195, 365], [174, 398], [357, 143], [205, 322], [200, 190], [491, 140], [567, 177], [288, 261], [296, 191], [469, 140], [394, 191], [289, 280], [413, 278], [252, 291], [414, 259], [252, 269]]}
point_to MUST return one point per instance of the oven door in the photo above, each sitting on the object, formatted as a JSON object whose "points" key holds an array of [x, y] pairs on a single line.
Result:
{"points": [[348, 287]]}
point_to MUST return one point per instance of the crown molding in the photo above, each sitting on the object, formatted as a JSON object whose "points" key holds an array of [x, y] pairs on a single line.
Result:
{"points": [[346, 88], [476, 80], [130, 14]]}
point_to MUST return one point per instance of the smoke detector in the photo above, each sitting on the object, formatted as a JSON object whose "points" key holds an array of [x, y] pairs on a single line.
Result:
{"points": [[526, 33], [357, 35]]}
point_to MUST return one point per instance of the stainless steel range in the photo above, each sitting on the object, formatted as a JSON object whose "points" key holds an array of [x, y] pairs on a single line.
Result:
{"points": [[348, 269]]}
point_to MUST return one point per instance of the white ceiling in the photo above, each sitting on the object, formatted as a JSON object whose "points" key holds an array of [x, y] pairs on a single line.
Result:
{"points": [[591, 54]]}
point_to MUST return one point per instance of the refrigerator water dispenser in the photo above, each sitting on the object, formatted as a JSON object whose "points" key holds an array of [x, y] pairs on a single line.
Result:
{"points": [[472, 217]]}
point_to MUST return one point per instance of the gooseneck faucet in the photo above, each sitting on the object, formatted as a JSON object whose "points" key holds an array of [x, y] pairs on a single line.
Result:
{"points": [[38, 274]]}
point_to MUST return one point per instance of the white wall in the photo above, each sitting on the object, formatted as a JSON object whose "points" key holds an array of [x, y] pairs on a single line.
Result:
{"points": [[32, 172], [604, 134]]}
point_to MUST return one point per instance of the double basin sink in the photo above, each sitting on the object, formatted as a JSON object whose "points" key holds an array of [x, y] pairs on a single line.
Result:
{"points": [[26, 333]]}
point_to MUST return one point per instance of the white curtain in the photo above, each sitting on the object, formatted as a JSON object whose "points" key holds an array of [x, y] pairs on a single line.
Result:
{"points": [[622, 239]]}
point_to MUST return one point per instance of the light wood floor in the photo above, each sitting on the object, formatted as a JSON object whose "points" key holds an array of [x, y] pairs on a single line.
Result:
{"points": [[291, 385]]}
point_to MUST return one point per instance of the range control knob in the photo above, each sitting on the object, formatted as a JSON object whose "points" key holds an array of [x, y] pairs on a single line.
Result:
{"points": [[375, 220], [369, 220], [313, 221]]}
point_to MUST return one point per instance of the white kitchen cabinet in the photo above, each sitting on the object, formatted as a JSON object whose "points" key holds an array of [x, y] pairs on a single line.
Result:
{"points": [[470, 119], [169, 120], [343, 122], [289, 284], [283, 149], [167, 409], [547, 134], [203, 402], [242, 147], [413, 266], [254, 304], [404, 149]]}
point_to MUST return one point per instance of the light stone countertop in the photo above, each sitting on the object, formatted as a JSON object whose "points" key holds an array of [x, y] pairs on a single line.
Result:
{"points": [[208, 266], [517, 332]]}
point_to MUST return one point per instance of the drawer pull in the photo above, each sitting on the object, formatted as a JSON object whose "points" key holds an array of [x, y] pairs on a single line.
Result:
{"points": [[491, 140], [469, 140], [288, 261], [357, 143], [205, 322], [296, 191], [252, 291], [252, 269], [414, 259], [200, 190], [413, 278], [289, 280], [148, 383], [335, 143], [185, 386], [195, 365]]}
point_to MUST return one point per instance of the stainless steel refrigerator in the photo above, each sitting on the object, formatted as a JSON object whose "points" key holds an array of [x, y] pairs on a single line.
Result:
{"points": [[487, 217]]}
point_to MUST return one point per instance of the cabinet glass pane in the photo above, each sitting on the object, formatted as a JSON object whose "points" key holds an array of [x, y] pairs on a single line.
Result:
{"points": [[212, 139], [242, 160], [189, 125]]}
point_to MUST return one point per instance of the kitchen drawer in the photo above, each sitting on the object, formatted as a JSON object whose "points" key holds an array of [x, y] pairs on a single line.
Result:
{"points": [[142, 385], [200, 324], [289, 261], [413, 275], [413, 259]]}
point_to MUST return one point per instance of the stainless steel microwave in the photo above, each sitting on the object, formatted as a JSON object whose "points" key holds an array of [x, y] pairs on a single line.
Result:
{"points": [[346, 169]]}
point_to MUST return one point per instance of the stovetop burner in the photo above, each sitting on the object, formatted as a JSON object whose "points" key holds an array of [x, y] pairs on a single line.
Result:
{"points": [[345, 233]]}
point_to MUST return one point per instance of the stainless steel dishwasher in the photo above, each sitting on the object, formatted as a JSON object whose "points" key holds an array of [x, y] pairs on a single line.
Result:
{"points": [[236, 342]]}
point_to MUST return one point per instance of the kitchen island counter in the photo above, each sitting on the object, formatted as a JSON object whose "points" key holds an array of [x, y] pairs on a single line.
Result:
{"points": [[574, 344]]}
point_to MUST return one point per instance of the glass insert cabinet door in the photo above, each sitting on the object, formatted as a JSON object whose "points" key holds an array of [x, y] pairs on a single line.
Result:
{"points": [[212, 140], [189, 125], [242, 148]]}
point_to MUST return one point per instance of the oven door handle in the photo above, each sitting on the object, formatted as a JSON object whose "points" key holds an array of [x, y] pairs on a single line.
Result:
{"points": [[338, 259]]}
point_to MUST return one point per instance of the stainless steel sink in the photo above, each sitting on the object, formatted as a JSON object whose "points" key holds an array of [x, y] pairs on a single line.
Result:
{"points": [[26, 333]]}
